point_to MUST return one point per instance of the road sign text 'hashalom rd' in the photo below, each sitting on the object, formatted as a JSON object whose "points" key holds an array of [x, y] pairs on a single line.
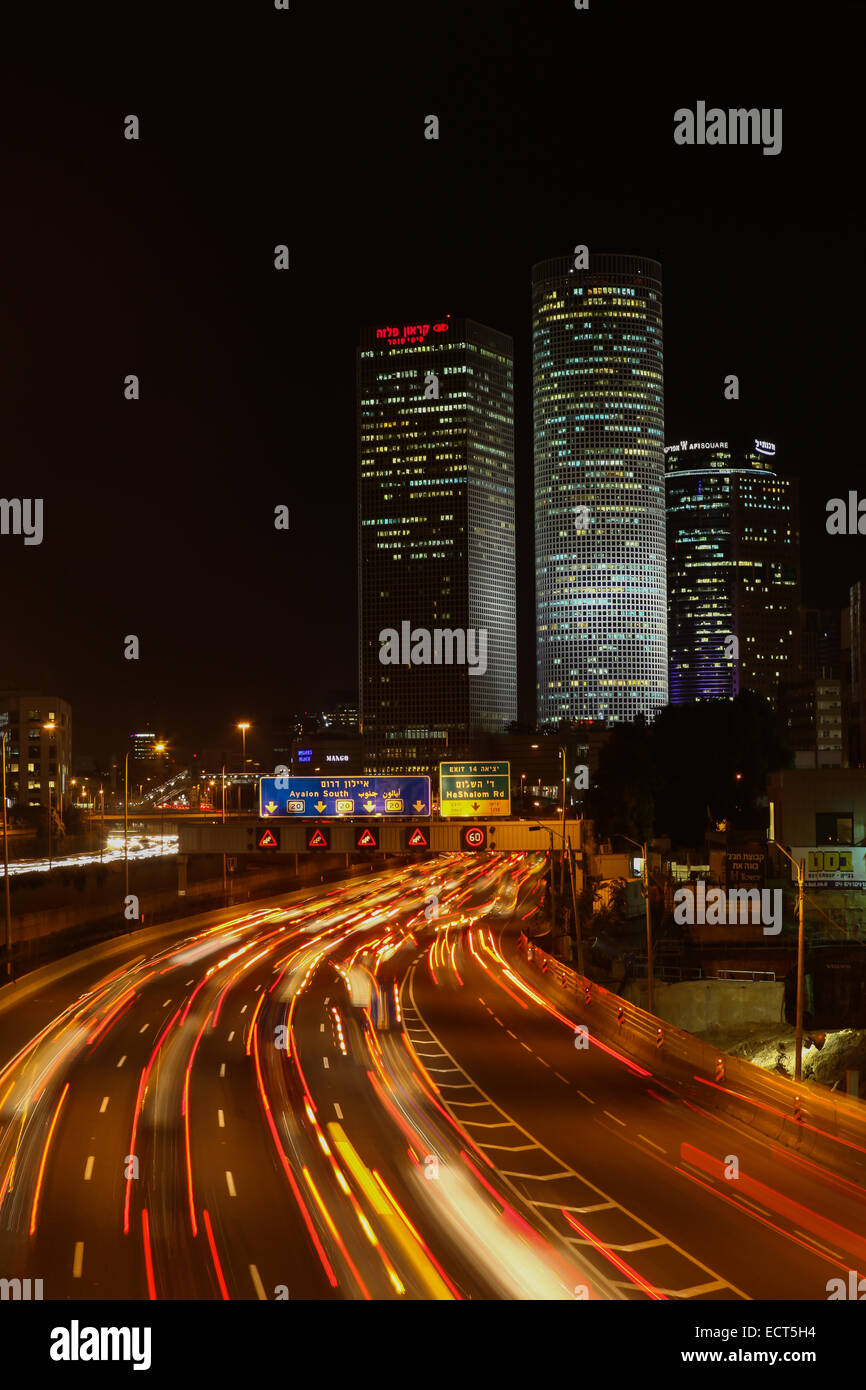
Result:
{"points": [[344, 796], [475, 789]]}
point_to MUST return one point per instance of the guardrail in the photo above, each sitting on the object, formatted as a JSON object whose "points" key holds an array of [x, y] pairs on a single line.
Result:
{"points": [[802, 1115]]}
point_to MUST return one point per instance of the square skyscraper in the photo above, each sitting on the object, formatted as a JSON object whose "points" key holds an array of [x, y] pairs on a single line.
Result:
{"points": [[436, 587]]}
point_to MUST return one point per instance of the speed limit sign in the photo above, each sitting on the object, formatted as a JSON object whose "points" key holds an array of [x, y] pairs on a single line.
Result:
{"points": [[473, 837]]}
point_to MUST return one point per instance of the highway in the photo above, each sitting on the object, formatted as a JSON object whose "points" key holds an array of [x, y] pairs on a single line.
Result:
{"points": [[366, 1093]]}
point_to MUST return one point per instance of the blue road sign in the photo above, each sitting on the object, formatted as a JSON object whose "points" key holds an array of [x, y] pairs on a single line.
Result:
{"points": [[344, 796]]}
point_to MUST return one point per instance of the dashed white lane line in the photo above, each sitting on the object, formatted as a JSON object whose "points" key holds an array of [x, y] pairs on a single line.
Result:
{"points": [[222, 1068], [122, 1060], [244, 1009], [88, 1168], [613, 1117], [230, 1184], [257, 1283], [78, 1259], [192, 981], [338, 1110], [221, 1119], [327, 997], [511, 1035], [144, 1028], [327, 1065], [655, 1146], [165, 1003], [231, 1034], [104, 1106], [562, 1078], [528, 1049], [584, 1097], [321, 1027]]}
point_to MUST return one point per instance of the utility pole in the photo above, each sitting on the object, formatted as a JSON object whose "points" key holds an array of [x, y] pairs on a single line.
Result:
{"points": [[562, 861], [801, 957], [577, 932]]}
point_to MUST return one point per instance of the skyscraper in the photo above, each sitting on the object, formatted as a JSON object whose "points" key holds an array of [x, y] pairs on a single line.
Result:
{"points": [[435, 540], [598, 396], [733, 570]]}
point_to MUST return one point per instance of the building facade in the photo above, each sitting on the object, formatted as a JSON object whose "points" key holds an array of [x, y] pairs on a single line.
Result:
{"points": [[733, 540], [598, 415], [38, 758], [812, 716], [436, 587], [855, 674]]}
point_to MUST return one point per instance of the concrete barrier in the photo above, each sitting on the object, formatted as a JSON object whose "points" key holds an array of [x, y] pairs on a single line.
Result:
{"points": [[695, 1005]]}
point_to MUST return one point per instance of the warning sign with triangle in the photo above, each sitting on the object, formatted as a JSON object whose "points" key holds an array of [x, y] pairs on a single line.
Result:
{"points": [[318, 837], [366, 837], [419, 838], [268, 838]]}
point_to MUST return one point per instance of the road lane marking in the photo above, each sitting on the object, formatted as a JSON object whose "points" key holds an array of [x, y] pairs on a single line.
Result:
{"points": [[222, 1068], [122, 1060], [192, 981], [257, 1283], [321, 1027], [144, 1028], [607, 1202], [613, 1117], [104, 1106], [338, 1110], [221, 1119], [78, 1259], [88, 1168], [230, 1184], [231, 1034], [327, 1066], [244, 1009], [655, 1146], [587, 1098], [166, 1003], [561, 1077]]}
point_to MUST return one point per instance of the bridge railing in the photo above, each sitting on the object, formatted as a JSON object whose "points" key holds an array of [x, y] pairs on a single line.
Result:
{"points": [[802, 1115]]}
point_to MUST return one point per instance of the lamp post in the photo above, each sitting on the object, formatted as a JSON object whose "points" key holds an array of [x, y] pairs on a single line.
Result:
{"points": [[243, 728], [6, 861], [562, 866], [50, 724], [101, 823], [644, 848], [160, 748], [801, 952], [125, 830]]}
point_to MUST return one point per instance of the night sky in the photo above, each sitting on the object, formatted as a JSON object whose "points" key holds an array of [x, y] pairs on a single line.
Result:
{"points": [[260, 127]]}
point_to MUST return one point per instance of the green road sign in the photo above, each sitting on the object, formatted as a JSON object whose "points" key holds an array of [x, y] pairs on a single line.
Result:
{"points": [[477, 790]]}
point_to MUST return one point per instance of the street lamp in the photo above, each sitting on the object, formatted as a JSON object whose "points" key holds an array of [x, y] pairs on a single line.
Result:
{"points": [[649, 921], [566, 841], [801, 951], [3, 738], [51, 724], [126, 829], [243, 728]]}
